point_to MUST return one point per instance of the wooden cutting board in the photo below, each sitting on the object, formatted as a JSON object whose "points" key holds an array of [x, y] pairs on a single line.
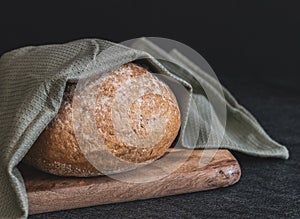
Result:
{"points": [[48, 193]]}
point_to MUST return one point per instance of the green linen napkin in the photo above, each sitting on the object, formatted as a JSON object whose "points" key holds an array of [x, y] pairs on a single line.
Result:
{"points": [[33, 80], [242, 132]]}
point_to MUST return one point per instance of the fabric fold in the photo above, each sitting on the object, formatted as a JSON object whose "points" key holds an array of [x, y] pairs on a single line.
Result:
{"points": [[242, 132]]}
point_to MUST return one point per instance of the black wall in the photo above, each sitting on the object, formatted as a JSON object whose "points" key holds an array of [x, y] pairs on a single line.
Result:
{"points": [[256, 39]]}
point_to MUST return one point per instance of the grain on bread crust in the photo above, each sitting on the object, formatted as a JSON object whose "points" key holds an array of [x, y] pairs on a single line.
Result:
{"points": [[135, 115]]}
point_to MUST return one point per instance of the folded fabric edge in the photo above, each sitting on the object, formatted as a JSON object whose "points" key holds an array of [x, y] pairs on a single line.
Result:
{"points": [[279, 151]]}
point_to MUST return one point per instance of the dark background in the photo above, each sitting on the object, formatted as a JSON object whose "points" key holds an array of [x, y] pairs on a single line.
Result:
{"points": [[254, 49]]}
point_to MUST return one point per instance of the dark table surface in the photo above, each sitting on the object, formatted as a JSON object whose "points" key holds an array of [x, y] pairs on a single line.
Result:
{"points": [[254, 50]]}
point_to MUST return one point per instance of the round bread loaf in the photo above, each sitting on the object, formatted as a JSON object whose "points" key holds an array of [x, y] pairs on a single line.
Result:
{"points": [[134, 114]]}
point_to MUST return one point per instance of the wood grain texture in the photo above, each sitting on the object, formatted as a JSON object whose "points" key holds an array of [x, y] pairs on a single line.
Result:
{"points": [[48, 193]]}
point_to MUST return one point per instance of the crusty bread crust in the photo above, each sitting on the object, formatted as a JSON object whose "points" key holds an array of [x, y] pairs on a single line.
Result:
{"points": [[136, 116]]}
